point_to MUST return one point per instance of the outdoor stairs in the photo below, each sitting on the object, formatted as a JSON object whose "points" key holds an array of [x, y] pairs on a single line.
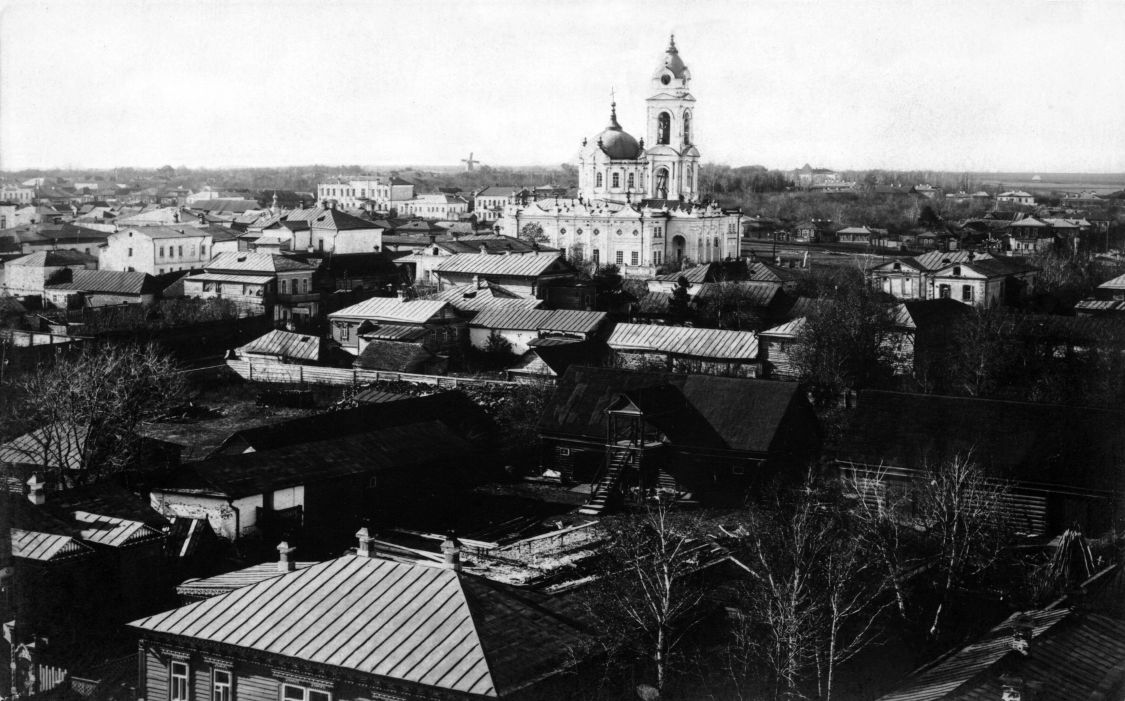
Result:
{"points": [[666, 483], [607, 485]]}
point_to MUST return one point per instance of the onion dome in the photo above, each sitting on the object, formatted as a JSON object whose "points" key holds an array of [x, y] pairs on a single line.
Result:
{"points": [[617, 143], [672, 60]]}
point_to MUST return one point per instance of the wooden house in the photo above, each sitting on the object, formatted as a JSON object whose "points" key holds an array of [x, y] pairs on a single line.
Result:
{"points": [[437, 317], [522, 326], [711, 437], [527, 275], [359, 627], [685, 349], [283, 347], [99, 288], [777, 346]]}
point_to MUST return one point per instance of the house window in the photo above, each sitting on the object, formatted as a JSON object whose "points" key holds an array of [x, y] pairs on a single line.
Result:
{"points": [[635, 258], [180, 251], [898, 266], [616, 180], [345, 332], [178, 690], [161, 251], [943, 291], [202, 251], [284, 286], [966, 293], [292, 692], [620, 258], [304, 285], [220, 685]]}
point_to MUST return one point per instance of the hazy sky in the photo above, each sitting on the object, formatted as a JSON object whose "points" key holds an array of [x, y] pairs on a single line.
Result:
{"points": [[1021, 85]]}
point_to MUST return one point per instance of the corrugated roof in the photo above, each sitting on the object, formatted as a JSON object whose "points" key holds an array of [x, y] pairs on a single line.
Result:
{"points": [[687, 341], [109, 282], [33, 545], [411, 622], [416, 311], [1072, 655], [526, 265], [286, 344], [561, 320]]}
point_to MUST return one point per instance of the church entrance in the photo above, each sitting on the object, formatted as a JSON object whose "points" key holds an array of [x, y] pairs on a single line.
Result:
{"points": [[678, 244]]}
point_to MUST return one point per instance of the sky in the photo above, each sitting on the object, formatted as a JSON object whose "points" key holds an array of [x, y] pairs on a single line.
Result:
{"points": [[1020, 85]]}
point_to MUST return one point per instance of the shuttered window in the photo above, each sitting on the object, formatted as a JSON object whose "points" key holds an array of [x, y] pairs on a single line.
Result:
{"points": [[178, 689]]}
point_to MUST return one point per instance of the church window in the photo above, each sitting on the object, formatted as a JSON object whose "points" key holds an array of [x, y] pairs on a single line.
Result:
{"points": [[657, 257], [617, 180], [658, 232], [663, 128], [716, 242], [634, 258], [562, 231], [662, 184], [636, 233], [619, 232], [665, 79], [596, 232], [632, 182], [599, 183], [687, 129], [578, 231], [597, 256], [621, 257]]}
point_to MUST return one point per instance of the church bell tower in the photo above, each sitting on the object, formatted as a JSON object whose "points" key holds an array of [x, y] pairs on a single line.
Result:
{"points": [[673, 160]]}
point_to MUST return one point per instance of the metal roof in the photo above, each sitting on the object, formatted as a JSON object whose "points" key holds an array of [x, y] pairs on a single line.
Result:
{"points": [[256, 262], [682, 340], [790, 329], [179, 231], [51, 259], [416, 311], [228, 581], [562, 320], [32, 545], [109, 282], [416, 623], [526, 265], [1117, 283], [285, 344], [220, 277], [490, 296], [395, 332], [110, 530]]}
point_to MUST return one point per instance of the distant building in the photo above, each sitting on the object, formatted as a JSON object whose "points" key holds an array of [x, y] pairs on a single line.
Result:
{"points": [[29, 275], [522, 326], [489, 203], [371, 193], [1016, 197], [806, 177], [99, 288], [433, 316], [1082, 199], [685, 349], [16, 195], [527, 275], [260, 283], [438, 206], [977, 279]]}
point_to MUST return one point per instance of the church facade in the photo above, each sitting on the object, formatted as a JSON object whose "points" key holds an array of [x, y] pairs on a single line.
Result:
{"points": [[638, 207]]}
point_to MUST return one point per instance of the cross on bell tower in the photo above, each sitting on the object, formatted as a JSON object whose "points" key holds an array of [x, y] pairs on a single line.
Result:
{"points": [[673, 160]]}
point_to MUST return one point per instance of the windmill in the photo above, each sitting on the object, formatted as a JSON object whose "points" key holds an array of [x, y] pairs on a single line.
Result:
{"points": [[469, 162]]}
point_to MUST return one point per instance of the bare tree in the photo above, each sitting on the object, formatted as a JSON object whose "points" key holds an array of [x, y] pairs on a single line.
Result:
{"points": [[653, 591], [82, 413], [960, 511]]}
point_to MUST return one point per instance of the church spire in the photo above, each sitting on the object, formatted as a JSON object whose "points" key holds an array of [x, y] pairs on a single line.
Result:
{"points": [[672, 44], [613, 124]]}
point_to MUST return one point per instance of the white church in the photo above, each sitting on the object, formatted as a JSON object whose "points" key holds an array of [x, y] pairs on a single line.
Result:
{"points": [[638, 203]]}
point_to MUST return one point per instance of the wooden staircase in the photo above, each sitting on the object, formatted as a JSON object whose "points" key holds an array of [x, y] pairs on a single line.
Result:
{"points": [[607, 485]]}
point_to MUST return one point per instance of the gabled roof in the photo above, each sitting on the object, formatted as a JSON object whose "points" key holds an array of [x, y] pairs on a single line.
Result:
{"points": [[393, 356], [560, 320], [452, 408], [790, 329], [338, 220], [402, 447], [695, 275], [413, 623], [1071, 655], [46, 547], [528, 265], [286, 344], [109, 282], [935, 260], [488, 296], [702, 411], [415, 311], [229, 581], [719, 344], [1117, 283]]}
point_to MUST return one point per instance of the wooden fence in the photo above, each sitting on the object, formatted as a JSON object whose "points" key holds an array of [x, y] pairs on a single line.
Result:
{"points": [[50, 677], [283, 373]]}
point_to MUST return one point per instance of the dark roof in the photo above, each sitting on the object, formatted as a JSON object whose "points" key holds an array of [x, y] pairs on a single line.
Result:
{"points": [[340, 220], [1045, 443], [452, 408], [351, 264], [406, 447], [415, 623], [936, 313], [108, 499], [1071, 655], [54, 259], [110, 282], [394, 356], [702, 411]]}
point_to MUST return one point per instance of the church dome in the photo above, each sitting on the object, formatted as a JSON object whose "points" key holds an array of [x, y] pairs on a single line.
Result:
{"points": [[617, 143], [672, 60]]}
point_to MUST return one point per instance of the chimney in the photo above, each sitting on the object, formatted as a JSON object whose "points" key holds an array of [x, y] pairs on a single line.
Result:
{"points": [[451, 549], [37, 490], [1022, 630], [284, 563], [365, 540], [483, 249]]}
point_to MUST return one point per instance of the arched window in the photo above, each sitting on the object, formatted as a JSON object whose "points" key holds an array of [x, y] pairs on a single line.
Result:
{"points": [[616, 180], [664, 128], [662, 184], [632, 182], [687, 128], [599, 180]]}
